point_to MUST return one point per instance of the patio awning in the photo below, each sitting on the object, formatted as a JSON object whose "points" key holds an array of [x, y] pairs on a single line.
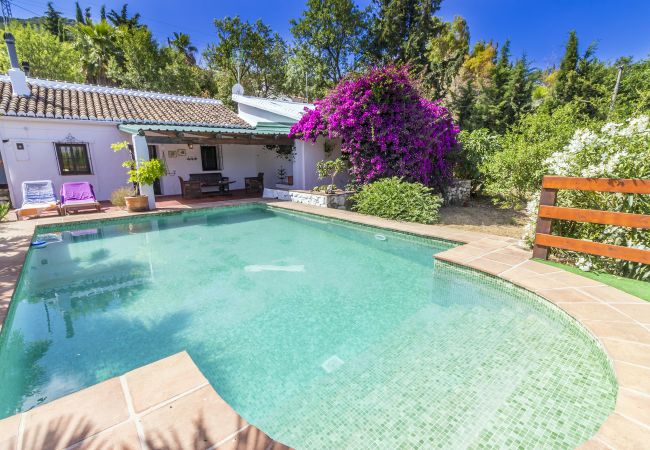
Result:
{"points": [[264, 133], [280, 130]]}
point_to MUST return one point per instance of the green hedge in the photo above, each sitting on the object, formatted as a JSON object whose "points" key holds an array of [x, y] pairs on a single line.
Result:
{"points": [[394, 198]]}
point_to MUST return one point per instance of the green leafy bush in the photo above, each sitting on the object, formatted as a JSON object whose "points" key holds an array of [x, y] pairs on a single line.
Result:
{"points": [[514, 174], [4, 210], [617, 150], [394, 198], [475, 147], [119, 194]]}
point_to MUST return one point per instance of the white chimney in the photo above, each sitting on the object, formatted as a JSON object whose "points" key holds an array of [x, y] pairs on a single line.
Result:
{"points": [[16, 75]]}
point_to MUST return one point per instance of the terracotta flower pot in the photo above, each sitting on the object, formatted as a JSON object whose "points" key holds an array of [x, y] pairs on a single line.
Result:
{"points": [[138, 203]]}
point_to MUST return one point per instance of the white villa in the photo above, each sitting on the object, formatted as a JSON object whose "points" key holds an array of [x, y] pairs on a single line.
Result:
{"points": [[60, 131]]}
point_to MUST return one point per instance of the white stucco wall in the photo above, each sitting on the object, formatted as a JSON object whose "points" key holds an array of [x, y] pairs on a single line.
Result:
{"points": [[308, 154], [38, 160]]}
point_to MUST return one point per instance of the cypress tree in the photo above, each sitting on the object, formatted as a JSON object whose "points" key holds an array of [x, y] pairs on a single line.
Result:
{"points": [[52, 21], [565, 84]]}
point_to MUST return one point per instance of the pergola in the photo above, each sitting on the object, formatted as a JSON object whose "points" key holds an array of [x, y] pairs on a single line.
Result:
{"points": [[142, 134]]}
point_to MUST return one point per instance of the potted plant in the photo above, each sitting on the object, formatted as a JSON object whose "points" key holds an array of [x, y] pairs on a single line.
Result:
{"points": [[142, 173]]}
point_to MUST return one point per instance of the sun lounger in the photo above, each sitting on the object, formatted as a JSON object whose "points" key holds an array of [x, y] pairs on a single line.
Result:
{"points": [[38, 197], [78, 195]]}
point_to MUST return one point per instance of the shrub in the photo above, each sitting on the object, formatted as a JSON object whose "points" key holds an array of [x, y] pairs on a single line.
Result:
{"points": [[117, 196], [4, 210], [617, 150], [394, 198], [514, 174], [386, 128], [475, 147]]}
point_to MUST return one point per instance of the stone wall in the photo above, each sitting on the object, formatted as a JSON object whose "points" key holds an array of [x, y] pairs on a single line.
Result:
{"points": [[457, 193], [337, 201]]}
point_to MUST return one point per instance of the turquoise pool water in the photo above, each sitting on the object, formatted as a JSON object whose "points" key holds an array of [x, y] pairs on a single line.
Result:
{"points": [[321, 333]]}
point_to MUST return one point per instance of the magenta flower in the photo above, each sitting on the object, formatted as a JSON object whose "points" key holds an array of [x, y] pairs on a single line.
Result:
{"points": [[386, 128]]}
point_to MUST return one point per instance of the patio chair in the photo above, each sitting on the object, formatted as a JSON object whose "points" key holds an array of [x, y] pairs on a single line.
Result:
{"points": [[190, 189], [78, 195], [38, 197], [255, 184]]}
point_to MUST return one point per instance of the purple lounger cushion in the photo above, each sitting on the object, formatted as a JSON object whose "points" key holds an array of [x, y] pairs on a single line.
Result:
{"points": [[79, 192]]}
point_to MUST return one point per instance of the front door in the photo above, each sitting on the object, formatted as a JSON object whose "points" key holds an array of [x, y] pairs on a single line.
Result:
{"points": [[153, 154]]}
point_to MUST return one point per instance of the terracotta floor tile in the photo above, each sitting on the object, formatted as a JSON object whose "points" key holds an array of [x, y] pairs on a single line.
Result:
{"points": [[9, 432], [621, 433], [122, 437], [74, 417], [633, 377], [640, 312], [611, 295], [539, 282], [508, 256], [628, 352], [634, 406], [197, 421], [593, 444], [569, 295], [539, 268], [573, 280], [162, 380], [593, 311], [619, 330], [488, 266], [251, 439]]}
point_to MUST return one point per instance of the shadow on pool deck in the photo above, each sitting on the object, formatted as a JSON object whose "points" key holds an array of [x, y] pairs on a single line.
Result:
{"points": [[164, 405]]}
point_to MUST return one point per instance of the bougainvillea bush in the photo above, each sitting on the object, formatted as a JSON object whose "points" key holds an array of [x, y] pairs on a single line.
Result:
{"points": [[617, 150], [386, 128]]}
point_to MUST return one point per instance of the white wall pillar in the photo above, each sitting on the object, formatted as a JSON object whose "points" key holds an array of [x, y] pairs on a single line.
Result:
{"points": [[141, 153], [298, 168]]}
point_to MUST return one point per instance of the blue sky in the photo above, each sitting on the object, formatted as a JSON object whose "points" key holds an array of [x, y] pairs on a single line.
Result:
{"points": [[536, 28]]}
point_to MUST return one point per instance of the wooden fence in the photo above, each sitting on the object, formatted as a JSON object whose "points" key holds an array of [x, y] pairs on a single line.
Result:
{"points": [[549, 212]]}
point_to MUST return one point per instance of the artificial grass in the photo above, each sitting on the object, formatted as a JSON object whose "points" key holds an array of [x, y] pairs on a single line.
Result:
{"points": [[637, 288]]}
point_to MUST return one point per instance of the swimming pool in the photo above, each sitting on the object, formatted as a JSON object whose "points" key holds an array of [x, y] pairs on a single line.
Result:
{"points": [[322, 333]]}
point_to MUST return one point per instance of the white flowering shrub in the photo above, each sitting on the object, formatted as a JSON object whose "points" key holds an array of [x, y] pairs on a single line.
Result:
{"points": [[617, 150]]}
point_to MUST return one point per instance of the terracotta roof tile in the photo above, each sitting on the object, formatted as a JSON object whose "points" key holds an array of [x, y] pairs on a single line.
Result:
{"points": [[54, 99]]}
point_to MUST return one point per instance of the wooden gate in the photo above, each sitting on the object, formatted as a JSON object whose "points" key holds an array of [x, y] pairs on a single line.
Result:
{"points": [[549, 212]]}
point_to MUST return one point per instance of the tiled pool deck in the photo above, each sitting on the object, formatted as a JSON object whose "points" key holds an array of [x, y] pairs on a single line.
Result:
{"points": [[169, 404]]}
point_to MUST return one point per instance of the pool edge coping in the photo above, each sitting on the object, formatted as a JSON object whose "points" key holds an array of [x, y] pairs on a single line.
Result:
{"points": [[501, 257]]}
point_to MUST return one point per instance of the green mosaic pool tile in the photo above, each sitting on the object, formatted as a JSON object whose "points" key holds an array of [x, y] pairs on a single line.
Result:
{"points": [[534, 404]]}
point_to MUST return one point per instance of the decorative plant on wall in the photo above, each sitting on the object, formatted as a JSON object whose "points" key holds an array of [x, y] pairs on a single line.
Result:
{"points": [[330, 169], [386, 128], [284, 151], [282, 174]]}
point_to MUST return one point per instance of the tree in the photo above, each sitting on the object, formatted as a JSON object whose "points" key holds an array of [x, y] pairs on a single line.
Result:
{"points": [[48, 57], [328, 39], [401, 30], [386, 128], [96, 42], [122, 18], [253, 50], [183, 44], [565, 83], [82, 16], [446, 54], [53, 22]]}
